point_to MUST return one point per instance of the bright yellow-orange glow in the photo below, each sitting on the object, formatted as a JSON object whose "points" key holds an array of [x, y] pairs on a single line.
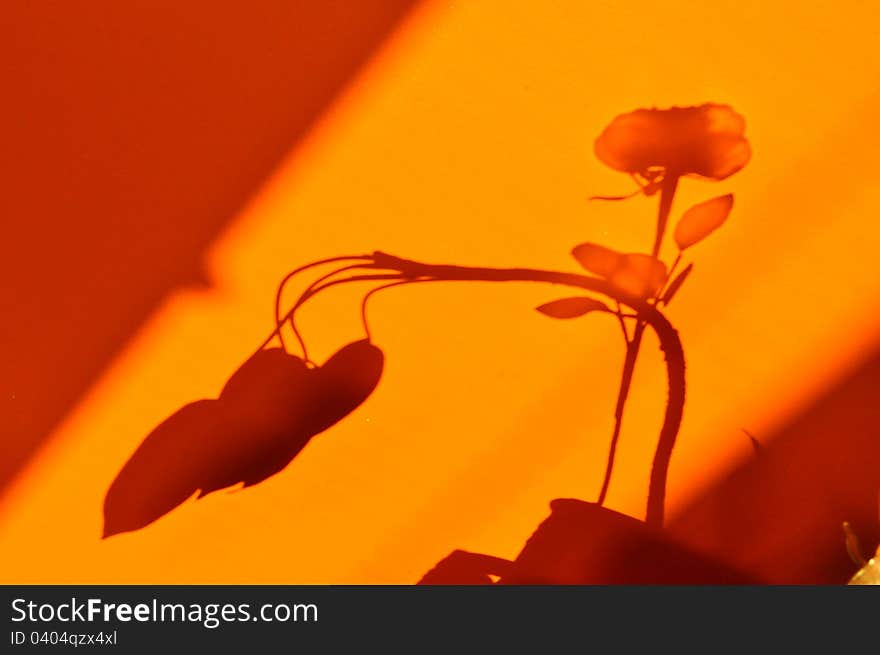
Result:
{"points": [[468, 139]]}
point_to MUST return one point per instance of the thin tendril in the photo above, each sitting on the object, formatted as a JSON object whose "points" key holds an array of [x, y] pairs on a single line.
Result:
{"points": [[296, 271], [370, 293], [620, 316], [662, 290], [279, 323], [312, 291], [624, 197]]}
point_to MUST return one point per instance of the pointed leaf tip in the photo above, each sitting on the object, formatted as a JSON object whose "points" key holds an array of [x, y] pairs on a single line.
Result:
{"points": [[701, 220], [675, 285], [572, 307]]}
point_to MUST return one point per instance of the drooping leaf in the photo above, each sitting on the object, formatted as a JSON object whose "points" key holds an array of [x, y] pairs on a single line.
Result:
{"points": [[639, 275], [701, 220], [675, 285], [269, 410], [572, 307], [597, 259]]}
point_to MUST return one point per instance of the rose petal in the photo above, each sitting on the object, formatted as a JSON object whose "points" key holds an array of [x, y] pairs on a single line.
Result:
{"points": [[707, 141]]}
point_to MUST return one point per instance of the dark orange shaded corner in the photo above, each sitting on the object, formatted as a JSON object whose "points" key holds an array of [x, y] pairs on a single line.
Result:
{"points": [[774, 519], [584, 543], [134, 135], [468, 140], [780, 513]]}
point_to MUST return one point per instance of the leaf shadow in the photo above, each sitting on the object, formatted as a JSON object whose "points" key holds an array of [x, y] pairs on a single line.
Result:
{"points": [[267, 412]]}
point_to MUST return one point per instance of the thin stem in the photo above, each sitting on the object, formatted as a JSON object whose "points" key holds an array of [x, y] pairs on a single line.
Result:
{"points": [[629, 366], [300, 269], [332, 283], [666, 284], [299, 340], [623, 197], [279, 324], [663, 452], [667, 192], [647, 314], [309, 293], [620, 320], [371, 292], [675, 264]]}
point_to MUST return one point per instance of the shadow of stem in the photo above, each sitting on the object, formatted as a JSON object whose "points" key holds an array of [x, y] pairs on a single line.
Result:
{"points": [[406, 270]]}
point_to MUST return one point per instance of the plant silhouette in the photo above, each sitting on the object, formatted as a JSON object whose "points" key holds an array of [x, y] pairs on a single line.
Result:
{"points": [[277, 402], [266, 413], [585, 543], [146, 175]]}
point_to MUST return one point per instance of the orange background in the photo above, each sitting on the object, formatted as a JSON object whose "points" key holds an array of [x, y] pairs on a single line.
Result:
{"points": [[467, 138]]}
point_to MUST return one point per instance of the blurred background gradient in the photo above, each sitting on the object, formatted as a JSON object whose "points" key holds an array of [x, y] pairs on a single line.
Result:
{"points": [[164, 165]]}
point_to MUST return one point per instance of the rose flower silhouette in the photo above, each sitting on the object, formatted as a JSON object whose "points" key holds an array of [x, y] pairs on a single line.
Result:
{"points": [[707, 141], [656, 147]]}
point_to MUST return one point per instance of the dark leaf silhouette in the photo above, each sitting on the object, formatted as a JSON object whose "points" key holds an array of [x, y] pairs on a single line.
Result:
{"points": [[572, 307], [597, 259], [268, 411], [701, 220], [675, 285]]}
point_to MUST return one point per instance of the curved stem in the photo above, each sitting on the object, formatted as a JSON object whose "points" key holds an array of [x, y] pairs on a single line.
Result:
{"points": [[647, 314], [314, 290], [308, 293], [289, 276], [376, 290], [667, 192]]}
